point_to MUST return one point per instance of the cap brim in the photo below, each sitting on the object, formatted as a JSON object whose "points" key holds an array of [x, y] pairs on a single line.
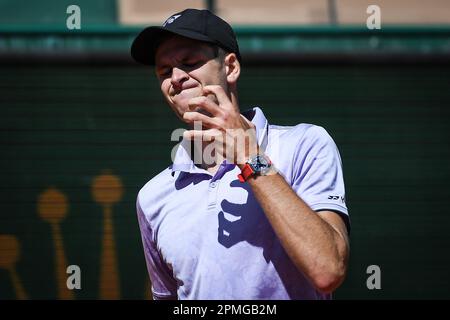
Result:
{"points": [[144, 46]]}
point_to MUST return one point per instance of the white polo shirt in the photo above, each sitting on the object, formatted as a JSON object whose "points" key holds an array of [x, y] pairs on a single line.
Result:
{"points": [[206, 237]]}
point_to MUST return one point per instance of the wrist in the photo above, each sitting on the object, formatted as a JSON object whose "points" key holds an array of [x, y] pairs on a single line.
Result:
{"points": [[257, 165], [243, 160]]}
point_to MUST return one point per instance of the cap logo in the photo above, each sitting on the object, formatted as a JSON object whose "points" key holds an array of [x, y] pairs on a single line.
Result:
{"points": [[171, 19]]}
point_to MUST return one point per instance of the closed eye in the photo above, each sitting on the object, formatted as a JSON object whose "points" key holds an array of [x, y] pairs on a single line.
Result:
{"points": [[164, 72], [190, 64]]}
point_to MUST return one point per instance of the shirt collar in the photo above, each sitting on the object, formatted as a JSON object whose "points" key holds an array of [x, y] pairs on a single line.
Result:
{"points": [[183, 160]]}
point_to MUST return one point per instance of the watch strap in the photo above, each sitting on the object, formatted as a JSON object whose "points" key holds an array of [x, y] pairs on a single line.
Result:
{"points": [[246, 173]]}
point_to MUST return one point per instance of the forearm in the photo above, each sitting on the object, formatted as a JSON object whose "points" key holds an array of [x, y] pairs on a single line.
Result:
{"points": [[314, 246]]}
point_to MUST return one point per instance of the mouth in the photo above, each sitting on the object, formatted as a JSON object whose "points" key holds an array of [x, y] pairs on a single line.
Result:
{"points": [[177, 92]]}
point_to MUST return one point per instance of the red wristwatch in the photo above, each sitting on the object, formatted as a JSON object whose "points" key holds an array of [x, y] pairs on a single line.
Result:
{"points": [[256, 165]]}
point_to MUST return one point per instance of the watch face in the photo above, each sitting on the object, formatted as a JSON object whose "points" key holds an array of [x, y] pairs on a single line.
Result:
{"points": [[260, 164]]}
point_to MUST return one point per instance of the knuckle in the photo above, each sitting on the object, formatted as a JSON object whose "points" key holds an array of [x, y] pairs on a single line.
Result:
{"points": [[202, 100], [225, 115], [199, 101]]}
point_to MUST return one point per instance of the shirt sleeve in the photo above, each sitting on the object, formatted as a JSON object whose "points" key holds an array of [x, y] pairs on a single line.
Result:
{"points": [[164, 286], [318, 174]]}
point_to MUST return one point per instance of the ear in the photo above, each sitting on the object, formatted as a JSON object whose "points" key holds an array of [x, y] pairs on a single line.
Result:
{"points": [[232, 68]]}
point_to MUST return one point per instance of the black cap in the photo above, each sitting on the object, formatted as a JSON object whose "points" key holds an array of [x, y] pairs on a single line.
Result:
{"points": [[195, 24]]}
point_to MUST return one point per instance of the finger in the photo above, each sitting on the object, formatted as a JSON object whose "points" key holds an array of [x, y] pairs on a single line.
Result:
{"points": [[204, 135], [204, 103], [220, 94], [205, 121]]}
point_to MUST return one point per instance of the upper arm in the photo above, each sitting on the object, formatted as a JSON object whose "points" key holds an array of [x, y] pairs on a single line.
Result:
{"points": [[163, 284]]}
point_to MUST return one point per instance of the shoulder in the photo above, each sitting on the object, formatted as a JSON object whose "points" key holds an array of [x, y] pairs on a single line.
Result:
{"points": [[155, 190], [300, 132], [294, 147], [303, 136]]}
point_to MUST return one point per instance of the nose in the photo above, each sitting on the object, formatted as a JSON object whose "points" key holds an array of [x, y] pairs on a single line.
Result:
{"points": [[178, 77]]}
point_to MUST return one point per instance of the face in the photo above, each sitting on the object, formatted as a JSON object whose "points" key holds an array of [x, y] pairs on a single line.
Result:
{"points": [[183, 67]]}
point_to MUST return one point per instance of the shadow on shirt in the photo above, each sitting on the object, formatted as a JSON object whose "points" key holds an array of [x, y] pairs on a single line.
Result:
{"points": [[247, 222], [250, 224]]}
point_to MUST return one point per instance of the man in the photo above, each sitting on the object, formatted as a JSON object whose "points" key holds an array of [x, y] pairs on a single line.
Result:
{"points": [[266, 218]]}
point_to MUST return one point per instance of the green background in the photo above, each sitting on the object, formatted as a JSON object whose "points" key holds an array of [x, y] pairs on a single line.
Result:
{"points": [[63, 124]]}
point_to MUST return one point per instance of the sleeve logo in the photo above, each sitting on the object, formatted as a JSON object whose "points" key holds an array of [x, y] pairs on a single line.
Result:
{"points": [[342, 198]]}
